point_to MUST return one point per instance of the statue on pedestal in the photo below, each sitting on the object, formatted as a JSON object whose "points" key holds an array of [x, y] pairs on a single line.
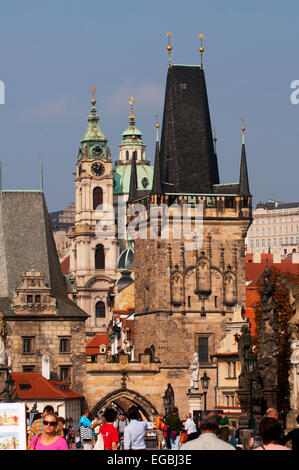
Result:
{"points": [[194, 373]]}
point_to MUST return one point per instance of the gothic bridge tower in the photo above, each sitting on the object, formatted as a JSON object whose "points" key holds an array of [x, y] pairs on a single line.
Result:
{"points": [[185, 296]]}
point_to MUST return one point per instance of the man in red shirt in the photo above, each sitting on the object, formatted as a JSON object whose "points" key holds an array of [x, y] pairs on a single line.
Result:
{"points": [[108, 431]]}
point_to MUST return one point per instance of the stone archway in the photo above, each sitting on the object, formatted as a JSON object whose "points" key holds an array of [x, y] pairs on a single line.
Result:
{"points": [[123, 399]]}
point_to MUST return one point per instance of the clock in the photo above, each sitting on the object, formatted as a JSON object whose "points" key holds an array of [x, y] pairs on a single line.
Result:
{"points": [[97, 150], [97, 168]]}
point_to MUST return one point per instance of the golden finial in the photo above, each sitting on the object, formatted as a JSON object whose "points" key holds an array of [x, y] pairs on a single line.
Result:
{"points": [[169, 48], [201, 49], [131, 102], [132, 117], [243, 131], [93, 92], [215, 139], [157, 126]]}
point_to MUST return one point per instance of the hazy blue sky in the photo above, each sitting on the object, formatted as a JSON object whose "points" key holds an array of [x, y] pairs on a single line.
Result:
{"points": [[52, 53]]}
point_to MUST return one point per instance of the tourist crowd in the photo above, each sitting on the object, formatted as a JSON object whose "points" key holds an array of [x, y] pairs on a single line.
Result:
{"points": [[124, 431]]}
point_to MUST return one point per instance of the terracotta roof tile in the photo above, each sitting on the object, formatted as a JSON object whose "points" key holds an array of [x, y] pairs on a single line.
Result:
{"points": [[33, 386]]}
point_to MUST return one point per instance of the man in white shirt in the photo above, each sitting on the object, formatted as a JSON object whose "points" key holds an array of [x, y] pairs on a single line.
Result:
{"points": [[190, 427], [134, 432], [209, 424]]}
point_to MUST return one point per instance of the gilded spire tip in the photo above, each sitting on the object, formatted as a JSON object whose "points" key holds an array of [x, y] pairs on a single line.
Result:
{"points": [[169, 48], [243, 131], [201, 49], [93, 92], [157, 126]]}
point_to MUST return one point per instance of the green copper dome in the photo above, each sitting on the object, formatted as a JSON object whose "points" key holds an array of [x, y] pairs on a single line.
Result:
{"points": [[125, 260], [94, 142], [122, 175]]}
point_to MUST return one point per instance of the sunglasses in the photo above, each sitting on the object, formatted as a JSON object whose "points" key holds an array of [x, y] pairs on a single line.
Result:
{"points": [[50, 423]]}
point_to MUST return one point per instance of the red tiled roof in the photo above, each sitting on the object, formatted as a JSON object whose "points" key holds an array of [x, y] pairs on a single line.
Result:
{"points": [[39, 388], [254, 270], [65, 265], [97, 340], [93, 345]]}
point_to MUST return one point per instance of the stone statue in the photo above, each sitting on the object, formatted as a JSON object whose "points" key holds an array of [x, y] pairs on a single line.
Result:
{"points": [[268, 333], [3, 333], [244, 345], [169, 398], [194, 372]]}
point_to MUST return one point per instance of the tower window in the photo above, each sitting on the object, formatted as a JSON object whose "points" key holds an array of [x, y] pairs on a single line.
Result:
{"points": [[65, 373], [100, 257], [97, 197], [189, 300], [100, 310], [28, 345], [127, 155], [215, 301], [203, 350], [64, 345]]}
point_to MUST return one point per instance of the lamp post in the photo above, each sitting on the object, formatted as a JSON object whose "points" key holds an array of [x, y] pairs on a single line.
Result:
{"points": [[10, 387], [205, 380], [250, 362]]}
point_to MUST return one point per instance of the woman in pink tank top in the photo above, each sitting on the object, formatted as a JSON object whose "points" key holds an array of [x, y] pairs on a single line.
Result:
{"points": [[49, 439]]}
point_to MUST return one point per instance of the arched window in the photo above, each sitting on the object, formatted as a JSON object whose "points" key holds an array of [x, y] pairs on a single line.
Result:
{"points": [[127, 155], [100, 257], [97, 197], [100, 310]]}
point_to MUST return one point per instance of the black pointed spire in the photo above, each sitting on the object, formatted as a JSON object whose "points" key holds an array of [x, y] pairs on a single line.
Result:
{"points": [[157, 186], [243, 182], [187, 143], [133, 179]]}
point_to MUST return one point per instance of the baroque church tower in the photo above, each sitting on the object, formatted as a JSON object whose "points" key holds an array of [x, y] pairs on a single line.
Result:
{"points": [[186, 293], [94, 249]]}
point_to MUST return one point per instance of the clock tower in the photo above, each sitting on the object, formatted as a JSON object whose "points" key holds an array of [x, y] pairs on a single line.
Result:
{"points": [[94, 249]]}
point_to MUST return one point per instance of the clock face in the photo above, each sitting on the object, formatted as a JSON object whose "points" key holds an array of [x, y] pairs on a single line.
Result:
{"points": [[97, 150], [97, 168]]}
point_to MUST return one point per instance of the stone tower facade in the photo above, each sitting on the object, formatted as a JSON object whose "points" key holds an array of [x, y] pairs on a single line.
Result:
{"points": [[185, 293], [94, 251]]}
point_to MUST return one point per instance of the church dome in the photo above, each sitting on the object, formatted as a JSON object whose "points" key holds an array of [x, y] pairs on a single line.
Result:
{"points": [[125, 260], [122, 175]]}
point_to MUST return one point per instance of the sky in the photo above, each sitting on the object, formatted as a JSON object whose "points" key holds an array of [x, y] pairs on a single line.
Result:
{"points": [[53, 53]]}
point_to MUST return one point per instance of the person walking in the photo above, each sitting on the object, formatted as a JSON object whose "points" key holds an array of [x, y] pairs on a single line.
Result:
{"points": [[86, 428], [48, 439], [175, 426], [190, 427], [108, 430], [208, 440], [37, 426], [270, 432], [223, 427], [134, 432], [120, 424], [159, 425]]}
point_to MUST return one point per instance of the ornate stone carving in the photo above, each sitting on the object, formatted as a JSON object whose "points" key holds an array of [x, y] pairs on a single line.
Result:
{"points": [[268, 333], [3, 334]]}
